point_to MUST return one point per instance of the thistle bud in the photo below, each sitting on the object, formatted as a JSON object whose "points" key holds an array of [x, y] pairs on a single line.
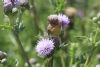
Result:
{"points": [[24, 3], [3, 61], [2, 55]]}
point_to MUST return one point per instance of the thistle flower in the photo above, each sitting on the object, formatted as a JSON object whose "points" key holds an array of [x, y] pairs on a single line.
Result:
{"points": [[11, 2], [45, 47], [63, 19], [9, 5]]}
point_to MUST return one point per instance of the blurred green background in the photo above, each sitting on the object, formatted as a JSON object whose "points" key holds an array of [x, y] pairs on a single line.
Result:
{"points": [[77, 47]]}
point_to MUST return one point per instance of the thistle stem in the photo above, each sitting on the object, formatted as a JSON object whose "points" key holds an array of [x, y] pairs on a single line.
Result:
{"points": [[85, 65], [71, 62], [35, 16], [89, 58], [62, 61], [16, 36], [50, 62], [24, 54]]}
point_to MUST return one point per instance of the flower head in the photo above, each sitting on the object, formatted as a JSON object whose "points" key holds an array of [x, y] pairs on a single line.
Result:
{"points": [[10, 4], [7, 5], [45, 47], [60, 19], [63, 20]]}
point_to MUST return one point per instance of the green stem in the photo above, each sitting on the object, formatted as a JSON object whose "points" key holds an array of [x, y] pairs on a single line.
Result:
{"points": [[86, 62], [24, 54], [16, 36], [63, 61], [95, 36], [89, 58], [35, 17], [50, 62], [71, 62]]}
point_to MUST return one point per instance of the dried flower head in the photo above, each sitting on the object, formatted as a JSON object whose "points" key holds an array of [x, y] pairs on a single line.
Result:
{"points": [[53, 19], [59, 19], [45, 47]]}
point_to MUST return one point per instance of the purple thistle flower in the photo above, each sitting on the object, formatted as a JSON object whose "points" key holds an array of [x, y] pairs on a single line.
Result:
{"points": [[15, 2], [9, 5], [45, 47], [63, 20], [10, 2], [7, 2]]}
